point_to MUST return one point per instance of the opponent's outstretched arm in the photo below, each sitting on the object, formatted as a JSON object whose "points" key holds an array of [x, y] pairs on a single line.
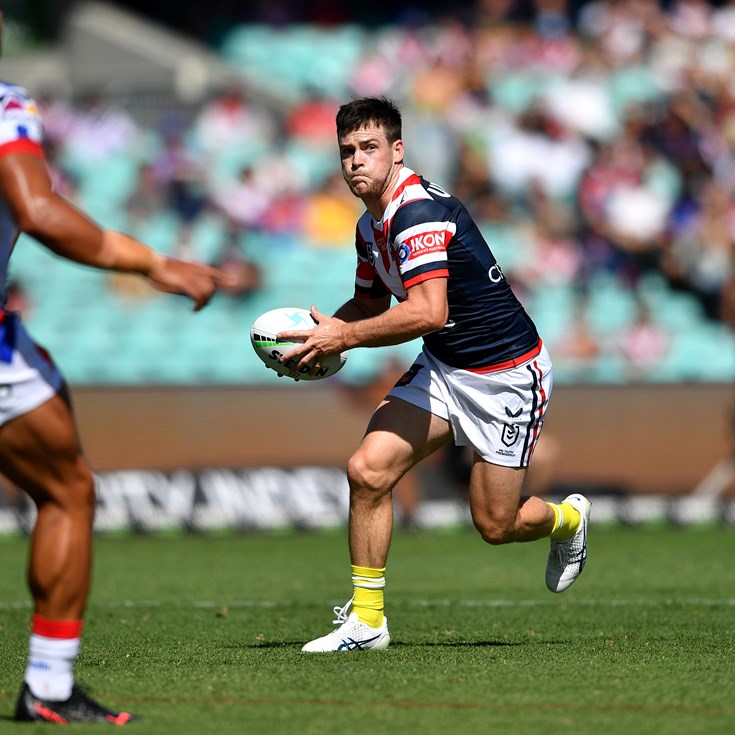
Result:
{"points": [[44, 215]]}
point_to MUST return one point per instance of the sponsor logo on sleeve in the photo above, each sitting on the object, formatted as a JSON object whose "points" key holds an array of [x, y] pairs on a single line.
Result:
{"points": [[423, 244]]}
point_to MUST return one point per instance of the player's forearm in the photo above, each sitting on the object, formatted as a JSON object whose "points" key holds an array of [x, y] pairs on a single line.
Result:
{"points": [[41, 213], [123, 253], [425, 310], [72, 235], [402, 323], [356, 309]]}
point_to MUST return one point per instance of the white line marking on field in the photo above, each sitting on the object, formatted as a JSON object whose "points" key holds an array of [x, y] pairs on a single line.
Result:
{"points": [[213, 604]]}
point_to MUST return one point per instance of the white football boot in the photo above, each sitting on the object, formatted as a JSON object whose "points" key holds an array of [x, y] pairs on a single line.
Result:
{"points": [[352, 635], [567, 558]]}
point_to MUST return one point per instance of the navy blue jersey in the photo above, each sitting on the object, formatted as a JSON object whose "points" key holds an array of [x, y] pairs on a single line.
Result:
{"points": [[427, 233]]}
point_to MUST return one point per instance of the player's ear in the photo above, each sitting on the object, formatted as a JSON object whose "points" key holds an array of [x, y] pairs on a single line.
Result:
{"points": [[398, 151]]}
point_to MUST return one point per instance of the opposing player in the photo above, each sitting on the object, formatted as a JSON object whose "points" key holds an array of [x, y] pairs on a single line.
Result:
{"points": [[483, 378], [39, 446]]}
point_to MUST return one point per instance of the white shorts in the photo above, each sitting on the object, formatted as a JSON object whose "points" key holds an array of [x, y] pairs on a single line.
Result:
{"points": [[28, 375], [499, 414]]}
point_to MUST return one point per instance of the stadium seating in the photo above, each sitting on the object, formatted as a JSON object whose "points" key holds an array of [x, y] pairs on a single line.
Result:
{"points": [[290, 60], [100, 334]]}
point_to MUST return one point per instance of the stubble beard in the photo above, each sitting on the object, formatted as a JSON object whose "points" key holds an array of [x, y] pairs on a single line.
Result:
{"points": [[362, 189]]}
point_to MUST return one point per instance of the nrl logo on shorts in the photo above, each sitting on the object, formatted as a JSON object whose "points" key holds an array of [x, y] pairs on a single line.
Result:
{"points": [[510, 434], [511, 431]]}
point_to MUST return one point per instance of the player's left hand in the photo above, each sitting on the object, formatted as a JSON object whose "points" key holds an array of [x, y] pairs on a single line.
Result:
{"points": [[326, 338], [195, 280]]}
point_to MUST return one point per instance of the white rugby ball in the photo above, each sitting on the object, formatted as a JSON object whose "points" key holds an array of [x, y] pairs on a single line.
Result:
{"points": [[269, 349]]}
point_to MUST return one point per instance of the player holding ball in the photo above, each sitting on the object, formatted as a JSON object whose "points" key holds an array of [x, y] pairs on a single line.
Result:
{"points": [[483, 378]]}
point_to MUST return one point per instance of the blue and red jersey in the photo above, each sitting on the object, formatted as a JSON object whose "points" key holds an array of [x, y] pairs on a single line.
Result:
{"points": [[20, 132]]}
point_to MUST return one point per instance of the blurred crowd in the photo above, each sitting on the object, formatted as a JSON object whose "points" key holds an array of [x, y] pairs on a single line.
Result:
{"points": [[599, 142]]}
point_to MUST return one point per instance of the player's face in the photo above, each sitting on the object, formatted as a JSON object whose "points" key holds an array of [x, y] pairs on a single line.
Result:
{"points": [[369, 161]]}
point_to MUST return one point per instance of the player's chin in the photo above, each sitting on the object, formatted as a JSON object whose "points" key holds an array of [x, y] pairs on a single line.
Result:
{"points": [[359, 188]]}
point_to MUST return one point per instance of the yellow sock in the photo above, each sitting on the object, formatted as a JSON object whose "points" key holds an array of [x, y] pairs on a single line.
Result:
{"points": [[368, 601], [567, 521]]}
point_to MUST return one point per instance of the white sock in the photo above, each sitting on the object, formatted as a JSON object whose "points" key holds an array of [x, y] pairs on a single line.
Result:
{"points": [[50, 663]]}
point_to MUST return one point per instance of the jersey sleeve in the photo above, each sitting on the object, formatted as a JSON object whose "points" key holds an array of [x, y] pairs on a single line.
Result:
{"points": [[21, 130], [367, 282], [422, 235]]}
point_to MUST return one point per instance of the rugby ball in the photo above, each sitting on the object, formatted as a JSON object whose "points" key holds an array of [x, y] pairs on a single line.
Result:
{"points": [[269, 349]]}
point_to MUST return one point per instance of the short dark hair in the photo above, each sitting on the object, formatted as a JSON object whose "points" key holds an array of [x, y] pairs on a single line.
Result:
{"points": [[361, 113]]}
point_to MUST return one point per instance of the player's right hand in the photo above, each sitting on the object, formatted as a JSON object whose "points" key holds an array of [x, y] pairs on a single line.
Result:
{"points": [[195, 280]]}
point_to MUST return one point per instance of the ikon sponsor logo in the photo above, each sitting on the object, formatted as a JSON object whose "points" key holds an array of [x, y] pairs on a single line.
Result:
{"points": [[427, 242]]}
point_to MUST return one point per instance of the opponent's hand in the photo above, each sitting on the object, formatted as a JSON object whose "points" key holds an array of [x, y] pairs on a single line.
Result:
{"points": [[326, 338], [195, 280]]}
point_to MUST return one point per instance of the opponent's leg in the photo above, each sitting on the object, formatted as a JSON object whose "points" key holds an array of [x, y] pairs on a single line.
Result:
{"points": [[398, 436], [39, 452]]}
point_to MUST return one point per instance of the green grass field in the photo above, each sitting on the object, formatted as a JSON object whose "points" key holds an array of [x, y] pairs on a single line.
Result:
{"points": [[202, 634]]}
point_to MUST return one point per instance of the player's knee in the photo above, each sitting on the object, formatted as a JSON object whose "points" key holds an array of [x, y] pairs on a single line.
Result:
{"points": [[74, 491], [494, 532], [86, 490], [365, 476]]}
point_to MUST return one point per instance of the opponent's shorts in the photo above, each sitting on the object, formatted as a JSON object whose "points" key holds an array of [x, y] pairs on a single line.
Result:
{"points": [[28, 375], [499, 414]]}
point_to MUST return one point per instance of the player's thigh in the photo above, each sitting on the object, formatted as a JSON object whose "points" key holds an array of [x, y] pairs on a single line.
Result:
{"points": [[495, 492], [399, 435], [40, 452]]}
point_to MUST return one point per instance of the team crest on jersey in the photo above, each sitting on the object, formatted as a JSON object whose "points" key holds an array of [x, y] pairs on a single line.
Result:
{"points": [[370, 254], [510, 434], [14, 100]]}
